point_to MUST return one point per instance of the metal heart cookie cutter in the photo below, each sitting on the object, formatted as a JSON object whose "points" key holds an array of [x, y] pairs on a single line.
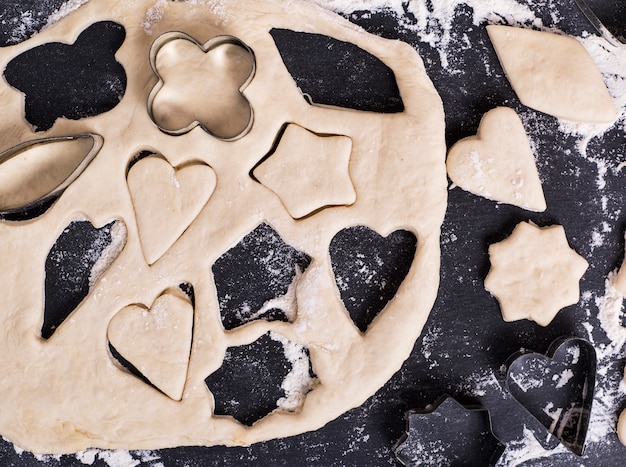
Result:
{"points": [[34, 174], [557, 388], [216, 103]]}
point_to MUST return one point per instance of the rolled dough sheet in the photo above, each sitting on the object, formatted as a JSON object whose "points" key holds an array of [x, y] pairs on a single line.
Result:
{"points": [[66, 394]]}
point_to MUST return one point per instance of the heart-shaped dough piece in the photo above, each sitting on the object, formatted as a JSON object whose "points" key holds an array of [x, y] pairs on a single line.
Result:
{"points": [[498, 162], [156, 340], [167, 200]]}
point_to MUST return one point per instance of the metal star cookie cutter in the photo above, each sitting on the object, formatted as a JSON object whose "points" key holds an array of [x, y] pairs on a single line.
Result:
{"points": [[207, 47], [12, 210], [432, 436], [557, 388]]}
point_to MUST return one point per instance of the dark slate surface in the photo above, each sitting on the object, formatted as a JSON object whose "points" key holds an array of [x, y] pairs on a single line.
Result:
{"points": [[465, 344]]}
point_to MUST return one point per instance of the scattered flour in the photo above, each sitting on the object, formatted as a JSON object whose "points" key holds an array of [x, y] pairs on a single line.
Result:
{"points": [[432, 22], [298, 381], [64, 10]]}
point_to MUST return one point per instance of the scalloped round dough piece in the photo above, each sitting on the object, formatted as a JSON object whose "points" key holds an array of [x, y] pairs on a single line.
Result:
{"points": [[66, 394]]}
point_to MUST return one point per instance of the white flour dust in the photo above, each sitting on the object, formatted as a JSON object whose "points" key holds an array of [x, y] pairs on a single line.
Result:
{"points": [[432, 22]]}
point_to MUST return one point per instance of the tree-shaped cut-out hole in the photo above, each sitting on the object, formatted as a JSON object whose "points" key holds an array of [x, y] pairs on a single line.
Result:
{"points": [[78, 258], [53, 88], [333, 72], [201, 84], [369, 269], [256, 278], [269, 374]]}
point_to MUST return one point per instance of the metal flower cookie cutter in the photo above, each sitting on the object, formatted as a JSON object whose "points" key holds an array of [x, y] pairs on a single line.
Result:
{"points": [[179, 102], [34, 174]]}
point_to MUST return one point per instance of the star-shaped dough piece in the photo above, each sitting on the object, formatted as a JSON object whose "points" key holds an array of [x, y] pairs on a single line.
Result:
{"points": [[308, 171], [534, 273]]}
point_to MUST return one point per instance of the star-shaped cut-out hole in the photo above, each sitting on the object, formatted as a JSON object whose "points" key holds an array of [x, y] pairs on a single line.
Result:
{"points": [[449, 434], [534, 273], [256, 279], [201, 84], [319, 163], [271, 373]]}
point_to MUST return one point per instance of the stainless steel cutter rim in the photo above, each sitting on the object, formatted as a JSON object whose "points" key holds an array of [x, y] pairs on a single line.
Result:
{"points": [[205, 47], [97, 143]]}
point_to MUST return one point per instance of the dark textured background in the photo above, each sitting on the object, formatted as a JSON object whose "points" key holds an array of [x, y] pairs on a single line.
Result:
{"points": [[465, 337]]}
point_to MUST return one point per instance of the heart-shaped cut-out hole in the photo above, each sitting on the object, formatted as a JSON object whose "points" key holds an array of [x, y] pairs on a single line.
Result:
{"points": [[369, 269], [79, 257], [167, 200], [557, 388], [156, 341], [498, 162]]}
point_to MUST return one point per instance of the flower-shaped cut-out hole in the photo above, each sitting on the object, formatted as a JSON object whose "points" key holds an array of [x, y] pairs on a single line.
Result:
{"points": [[201, 84]]}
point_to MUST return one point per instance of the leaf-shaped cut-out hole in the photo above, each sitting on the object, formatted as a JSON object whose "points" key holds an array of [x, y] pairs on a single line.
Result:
{"points": [[333, 72], [255, 279], [256, 379], [34, 174], [78, 258], [369, 269], [72, 81]]}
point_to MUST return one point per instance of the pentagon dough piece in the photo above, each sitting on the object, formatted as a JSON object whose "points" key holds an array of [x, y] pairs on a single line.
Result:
{"points": [[553, 74], [498, 162], [87, 400], [534, 273]]}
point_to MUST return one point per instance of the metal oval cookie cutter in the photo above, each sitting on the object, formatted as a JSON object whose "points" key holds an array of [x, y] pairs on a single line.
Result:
{"points": [[34, 174], [207, 47]]}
